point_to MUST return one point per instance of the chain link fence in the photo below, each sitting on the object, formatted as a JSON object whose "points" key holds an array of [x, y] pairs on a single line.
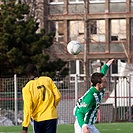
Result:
{"points": [[116, 105]]}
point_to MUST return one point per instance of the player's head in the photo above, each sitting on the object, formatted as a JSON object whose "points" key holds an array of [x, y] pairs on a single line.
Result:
{"points": [[99, 80], [31, 70]]}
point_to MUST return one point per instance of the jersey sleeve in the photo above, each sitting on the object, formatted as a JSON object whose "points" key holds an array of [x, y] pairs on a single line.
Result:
{"points": [[104, 69], [56, 93], [85, 106], [27, 105]]}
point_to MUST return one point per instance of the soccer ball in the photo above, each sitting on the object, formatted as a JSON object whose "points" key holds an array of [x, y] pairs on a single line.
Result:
{"points": [[74, 47]]}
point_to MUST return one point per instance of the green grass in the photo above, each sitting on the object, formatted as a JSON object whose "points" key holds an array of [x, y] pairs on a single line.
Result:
{"points": [[103, 128], [115, 127]]}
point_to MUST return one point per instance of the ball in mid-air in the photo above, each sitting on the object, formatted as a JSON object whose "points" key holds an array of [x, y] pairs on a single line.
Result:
{"points": [[74, 47]]}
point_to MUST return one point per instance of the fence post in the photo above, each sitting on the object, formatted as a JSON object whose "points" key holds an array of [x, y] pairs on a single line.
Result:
{"points": [[15, 98], [76, 88], [131, 96], [115, 111]]}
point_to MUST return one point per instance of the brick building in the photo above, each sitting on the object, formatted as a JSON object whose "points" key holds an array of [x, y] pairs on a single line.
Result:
{"points": [[104, 27]]}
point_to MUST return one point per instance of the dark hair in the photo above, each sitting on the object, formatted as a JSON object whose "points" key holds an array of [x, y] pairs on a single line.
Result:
{"points": [[96, 78], [30, 69]]}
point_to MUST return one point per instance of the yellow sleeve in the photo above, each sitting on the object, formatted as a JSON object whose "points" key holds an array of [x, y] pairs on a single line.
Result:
{"points": [[27, 107], [56, 93]]}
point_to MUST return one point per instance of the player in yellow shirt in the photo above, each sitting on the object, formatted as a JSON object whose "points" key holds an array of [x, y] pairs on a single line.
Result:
{"points": [[41, 97]]}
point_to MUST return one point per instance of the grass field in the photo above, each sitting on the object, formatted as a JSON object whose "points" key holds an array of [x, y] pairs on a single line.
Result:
{"points": [[103, 128]]}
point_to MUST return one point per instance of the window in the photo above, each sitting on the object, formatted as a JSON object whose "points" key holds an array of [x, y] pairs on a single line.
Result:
{"points": [[118, 29], [72, 67], [96, 1], [114, 67], [76, 67], [103, 1], [56, 1], [117, 0], [114, 71], [60, 28], [93, 27], [76, 1], [114, 38], [96, 29], [59, 25], [96, 65], [118, 66], [76, 30]]}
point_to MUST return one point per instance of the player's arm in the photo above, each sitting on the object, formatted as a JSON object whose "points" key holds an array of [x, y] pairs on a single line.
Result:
{"points": [[56, 92], [26, 108], [106, 66]]}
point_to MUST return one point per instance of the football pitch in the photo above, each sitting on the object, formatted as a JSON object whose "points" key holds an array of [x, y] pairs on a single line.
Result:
{"points": [[68, 128]]}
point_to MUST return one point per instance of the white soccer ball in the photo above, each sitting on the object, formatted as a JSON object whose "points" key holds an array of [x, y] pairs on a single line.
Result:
{"points": [[74, 47]]}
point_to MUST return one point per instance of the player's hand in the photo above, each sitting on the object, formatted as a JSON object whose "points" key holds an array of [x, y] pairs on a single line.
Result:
{"points": [[86, 129], [110, 62], [24, 131]]}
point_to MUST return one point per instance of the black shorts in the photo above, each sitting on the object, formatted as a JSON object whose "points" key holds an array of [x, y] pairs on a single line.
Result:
{"points": [[47, 126]]}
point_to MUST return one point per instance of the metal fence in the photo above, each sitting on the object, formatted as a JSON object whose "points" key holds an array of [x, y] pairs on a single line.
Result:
{"points": [[116, 105]]}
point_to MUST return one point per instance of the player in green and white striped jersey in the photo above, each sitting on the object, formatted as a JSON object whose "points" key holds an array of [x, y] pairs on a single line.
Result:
{"points": [[87, 106]]}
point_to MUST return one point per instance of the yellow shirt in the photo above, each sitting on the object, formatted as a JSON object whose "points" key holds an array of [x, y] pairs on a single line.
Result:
{"points": [[40, 97]]}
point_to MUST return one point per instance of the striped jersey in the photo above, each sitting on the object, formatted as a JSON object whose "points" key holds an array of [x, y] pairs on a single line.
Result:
{"points": [[87, 106], [40, 97]]}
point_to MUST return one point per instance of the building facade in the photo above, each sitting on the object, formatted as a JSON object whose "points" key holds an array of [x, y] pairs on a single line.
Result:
{"points": [[104, 27]]}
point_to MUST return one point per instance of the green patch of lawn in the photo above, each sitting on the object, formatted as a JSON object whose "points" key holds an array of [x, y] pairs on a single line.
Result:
{"points": [[68, 128], [65, 128], [115, 127]]}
